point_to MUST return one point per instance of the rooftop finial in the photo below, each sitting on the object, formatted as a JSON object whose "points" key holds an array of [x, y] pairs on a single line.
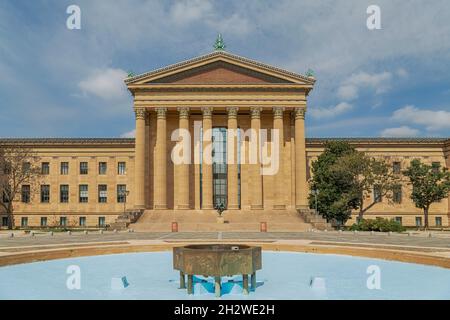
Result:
{"points": [[219, 45]]}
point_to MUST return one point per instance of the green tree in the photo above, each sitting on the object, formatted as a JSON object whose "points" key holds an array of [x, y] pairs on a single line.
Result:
{"points": [[332, 184], [366, 173], [429, 184]]}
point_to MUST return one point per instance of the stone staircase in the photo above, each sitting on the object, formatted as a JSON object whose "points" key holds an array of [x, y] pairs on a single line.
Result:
{"points": [[125, 219], [206, 221], [312, 217]]}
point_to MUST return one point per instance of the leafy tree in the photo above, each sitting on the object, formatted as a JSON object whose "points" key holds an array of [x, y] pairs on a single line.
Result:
{"points": [[365, 173], [429, 184], [332, 184], [18, 166]]}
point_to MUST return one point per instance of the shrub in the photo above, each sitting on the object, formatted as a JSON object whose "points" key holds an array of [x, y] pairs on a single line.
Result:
{"points": [[378, 224]]}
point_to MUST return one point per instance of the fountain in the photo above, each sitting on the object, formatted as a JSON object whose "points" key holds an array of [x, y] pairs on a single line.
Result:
{"points": [[217, 260]]}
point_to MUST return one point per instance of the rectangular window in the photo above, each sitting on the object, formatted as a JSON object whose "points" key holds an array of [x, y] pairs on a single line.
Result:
{"points": [[121, 193], [26, 193], [24, 222], [43, 221], [45, 193], [102, 168], [83, 168], [396, 167], [436, 166], [6, 195], [64, 168], [4, 221], [26, 167], [64, 193], [438, 221], [418, 221], [399, 220], [101, 221], [45, 168], [84, 195], [397, 194], [377, 197], [102, 193], [62, 221], [121, 168], [82, 221]]}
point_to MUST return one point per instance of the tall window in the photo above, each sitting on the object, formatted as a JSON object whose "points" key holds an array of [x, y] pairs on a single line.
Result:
{"points": [[121, 193], [438, 221], [83, 168], [62, 221], [26, 193], [436, 166], [102, 168], [45, 193], [101, 221], [82, 221], [102, 193], [64, 168], [399, 220], [397, 194], [377, 197], [121, 168], [64, 193], [26, 166], [4, 221], [219, 158], [45, 168], [418, 221], [24, 222], [396, 167], [43, 221], [84, 195]]}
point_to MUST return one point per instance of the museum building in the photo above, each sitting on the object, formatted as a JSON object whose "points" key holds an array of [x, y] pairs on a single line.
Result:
{"points": [[218, 100]]}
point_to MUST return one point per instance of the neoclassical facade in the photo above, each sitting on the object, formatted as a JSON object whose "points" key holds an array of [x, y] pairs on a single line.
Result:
{"points": [[216, 129]]}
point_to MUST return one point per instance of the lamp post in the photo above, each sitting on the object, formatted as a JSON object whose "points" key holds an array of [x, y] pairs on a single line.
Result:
{"points": [[124, 194], [315, 192]]}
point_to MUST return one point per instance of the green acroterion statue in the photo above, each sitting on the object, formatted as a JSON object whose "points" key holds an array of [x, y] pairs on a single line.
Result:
{"points": [[310, 73], [219, 44]]}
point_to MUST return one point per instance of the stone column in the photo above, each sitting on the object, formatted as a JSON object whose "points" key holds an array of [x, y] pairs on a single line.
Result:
{"points": [[139, 159], [232, 159], [183, 168], [256, 184], [160, 189], [207, 177], [301, 185], [278, 124]]}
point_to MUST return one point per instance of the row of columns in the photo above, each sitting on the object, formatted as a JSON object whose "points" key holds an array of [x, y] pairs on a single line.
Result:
{"points": [[256, 182]]}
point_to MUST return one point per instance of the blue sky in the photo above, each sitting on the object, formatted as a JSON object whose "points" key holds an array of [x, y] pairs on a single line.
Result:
{"points": [[56, 82]]}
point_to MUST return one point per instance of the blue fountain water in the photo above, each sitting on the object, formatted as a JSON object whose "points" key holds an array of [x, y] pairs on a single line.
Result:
{"points": [[284, 276]]}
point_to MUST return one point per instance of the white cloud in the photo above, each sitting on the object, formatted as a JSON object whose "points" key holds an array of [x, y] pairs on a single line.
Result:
{"points": [[107, 84], [431, 119], [400, 132], [184, 12], [379, 82], [129, 134], [330, 112], [348, 92]]}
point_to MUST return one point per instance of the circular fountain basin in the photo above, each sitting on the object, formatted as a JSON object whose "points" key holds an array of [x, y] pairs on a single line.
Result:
{"points": [[286, 275]]}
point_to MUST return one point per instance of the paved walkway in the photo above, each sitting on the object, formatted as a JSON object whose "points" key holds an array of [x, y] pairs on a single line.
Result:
{"points": [[404, 240]]}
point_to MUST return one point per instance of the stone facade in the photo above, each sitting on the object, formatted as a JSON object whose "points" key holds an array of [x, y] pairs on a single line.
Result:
{"points": [[215, 91]]}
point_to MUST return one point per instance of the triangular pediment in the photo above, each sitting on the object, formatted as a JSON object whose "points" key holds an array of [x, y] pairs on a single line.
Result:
{"points": [[219, 68]]}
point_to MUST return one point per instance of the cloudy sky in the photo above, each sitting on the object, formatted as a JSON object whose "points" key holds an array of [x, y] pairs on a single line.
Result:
{"points": [[56, 82]]}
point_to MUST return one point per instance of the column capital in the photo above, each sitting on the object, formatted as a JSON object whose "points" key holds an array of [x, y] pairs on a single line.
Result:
{"points": [[299, 113], [140, 113], [161, 112], [184, 112], [278, 112], [232, 112], [207, 112], [255, 112]]}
